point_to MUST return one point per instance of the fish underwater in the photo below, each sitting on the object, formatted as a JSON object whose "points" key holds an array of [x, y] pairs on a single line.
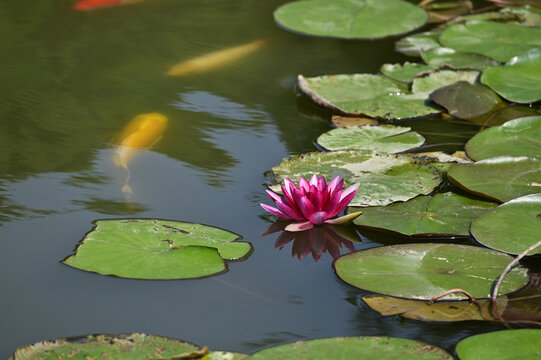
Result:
{"points": [[143, 132], [85, 5], [215, 59]]}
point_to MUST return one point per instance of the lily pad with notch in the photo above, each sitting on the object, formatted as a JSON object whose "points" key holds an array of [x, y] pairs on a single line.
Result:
{"points": [[156, 249], [350, 19], [442, 215], [424, 271]]}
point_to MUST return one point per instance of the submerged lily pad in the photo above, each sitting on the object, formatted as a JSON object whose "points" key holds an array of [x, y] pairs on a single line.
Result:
{"points": [[501, 178], [404, 72], [442, 215], [129, 347], [500, 345], [384, 178], [423, 271], [378, 138], [350, 19], [511, 227], [519, 79], [499, 41], [359, 348], [510, 112], [461, 60], [415, 44], [156, 249], [465, 100], [519, 137], [379, 96]]}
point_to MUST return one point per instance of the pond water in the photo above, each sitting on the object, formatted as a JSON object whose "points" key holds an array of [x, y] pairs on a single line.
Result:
{"points": [[70, 81]]}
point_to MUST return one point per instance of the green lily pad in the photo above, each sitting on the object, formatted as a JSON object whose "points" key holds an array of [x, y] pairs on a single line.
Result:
{"points": [[500, 345], [511, 227], [499, 41], [129, 347], [378, 96], [350, 19], [444, 11], [519, 79], [465, 100], [415, 44], [519, 137], [501, 178], [378, 138], [404, 73], [461, 60], [346, 348], [510, 112], [384, 178], [423, 271], [442, 215], [156, 249], [521, 15]]}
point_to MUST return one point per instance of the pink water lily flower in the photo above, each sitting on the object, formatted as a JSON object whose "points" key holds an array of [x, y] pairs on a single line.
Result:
{"points": [[314, 202]]}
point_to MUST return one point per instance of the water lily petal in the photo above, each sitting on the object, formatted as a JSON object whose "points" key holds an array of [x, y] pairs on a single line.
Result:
{"points": [[274, 211], [318, 217], [318, 199], [347, 196], [275, 197], [306, 207], [331, 187], [313, 180], [289, 211], [303, 184], [344, 219], [299, 226], [331, 207], [322, 185]]}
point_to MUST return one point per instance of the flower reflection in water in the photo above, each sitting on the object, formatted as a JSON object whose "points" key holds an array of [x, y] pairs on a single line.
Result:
{"points": [[316, 240]]}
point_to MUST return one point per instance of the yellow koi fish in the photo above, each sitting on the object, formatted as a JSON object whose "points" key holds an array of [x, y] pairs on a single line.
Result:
{"points": [[215, 59], [141, 133]]}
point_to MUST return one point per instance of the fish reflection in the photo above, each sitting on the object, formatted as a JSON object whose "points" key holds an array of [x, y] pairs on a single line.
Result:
{"points": [[317, 240], [85, 5], [141, 133], [215, 59]]}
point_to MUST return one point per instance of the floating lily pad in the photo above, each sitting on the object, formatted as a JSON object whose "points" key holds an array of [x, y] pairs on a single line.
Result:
{"points": [[384, 178], [156, 249], [511, 227], [502, 115], [378, 138], [519, 79], [414, 45], [404, 72], [465, 100], [521, 15], [423, 271], [129, 347], [359, 348], [501, 178], [500, 345], [378, 96], [461, 60], [344, 121], [350, 19], [519, 137], [444, 11], [499, 41], [442, 215]]}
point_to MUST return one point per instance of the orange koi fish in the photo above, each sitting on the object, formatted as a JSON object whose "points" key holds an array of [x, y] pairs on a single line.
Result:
{"points": [[141, 133], [215, 59], [84, 5]]}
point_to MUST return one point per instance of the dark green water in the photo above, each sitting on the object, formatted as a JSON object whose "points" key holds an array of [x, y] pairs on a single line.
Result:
{"points": [[70, 81]]}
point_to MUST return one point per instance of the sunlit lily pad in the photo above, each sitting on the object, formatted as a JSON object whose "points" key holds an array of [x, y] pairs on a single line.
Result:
{"points": [[378, 138], [377, 95], [465, 100], [519, 79], [404, 72], [350, 19], [511, 227], [519, 137], [384, 178], [414, 44], [457, 59], [423, 271], [499, 41], [358, 348], [500, 345], [156, 249], [501, 178], [129, 347], [443, 215]]}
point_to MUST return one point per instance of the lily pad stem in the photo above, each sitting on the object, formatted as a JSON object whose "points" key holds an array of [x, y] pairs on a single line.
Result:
{"points": [[453, 291]]}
